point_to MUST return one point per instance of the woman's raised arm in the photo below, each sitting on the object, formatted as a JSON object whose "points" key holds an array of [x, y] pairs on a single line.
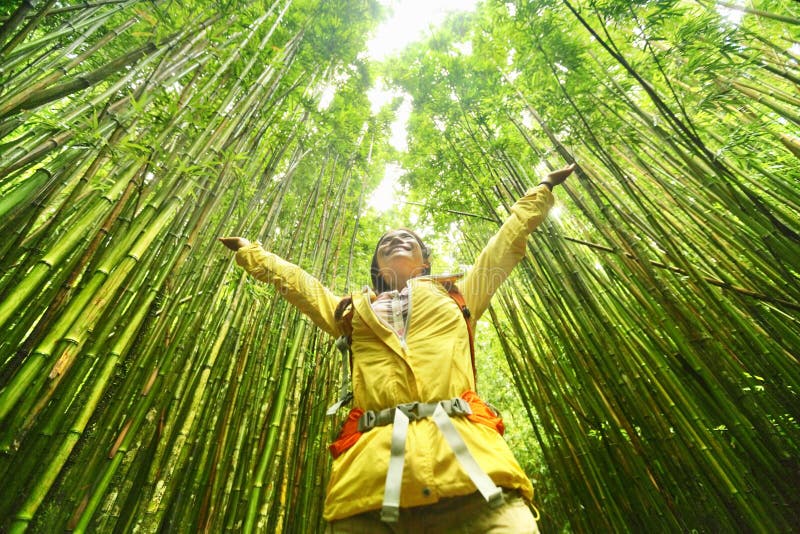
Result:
{"points": [[300, 288], [507, 247]]}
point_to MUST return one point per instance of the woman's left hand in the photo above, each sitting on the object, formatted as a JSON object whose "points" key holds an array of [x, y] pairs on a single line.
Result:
{"points": [[557, 177], [234, 243]]}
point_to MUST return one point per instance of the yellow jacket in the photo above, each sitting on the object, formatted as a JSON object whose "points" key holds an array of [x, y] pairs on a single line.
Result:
{"points": [[432, 364]]}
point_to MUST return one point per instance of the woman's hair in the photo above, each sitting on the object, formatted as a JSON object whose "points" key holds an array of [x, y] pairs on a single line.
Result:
{"points": [[378, 283]]}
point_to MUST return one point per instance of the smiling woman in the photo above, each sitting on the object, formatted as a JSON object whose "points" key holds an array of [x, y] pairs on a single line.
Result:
{"points": [[400, 256], [420, 448]]}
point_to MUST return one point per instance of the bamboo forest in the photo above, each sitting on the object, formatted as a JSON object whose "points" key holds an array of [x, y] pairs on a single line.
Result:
{"points": [[645, 353]]}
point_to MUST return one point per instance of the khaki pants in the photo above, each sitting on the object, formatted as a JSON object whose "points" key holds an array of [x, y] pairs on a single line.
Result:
{"points": [[459, 515]]}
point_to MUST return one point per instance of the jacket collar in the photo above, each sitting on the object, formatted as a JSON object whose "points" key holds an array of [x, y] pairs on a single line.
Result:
{"points": [[363, 307]]}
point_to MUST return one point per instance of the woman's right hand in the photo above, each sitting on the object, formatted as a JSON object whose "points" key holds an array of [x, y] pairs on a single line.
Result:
{"points": [[234, 243]]}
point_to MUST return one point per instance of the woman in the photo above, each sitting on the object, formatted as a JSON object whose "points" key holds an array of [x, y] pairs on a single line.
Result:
{"points": [[419, 441]]}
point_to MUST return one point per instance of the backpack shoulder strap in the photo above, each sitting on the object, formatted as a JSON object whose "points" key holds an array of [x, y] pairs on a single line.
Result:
{"points": [[456, 295], [344, 320], [344, 316]]}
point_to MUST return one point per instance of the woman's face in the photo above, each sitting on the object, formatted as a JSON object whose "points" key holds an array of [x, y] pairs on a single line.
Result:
{"points": [[400, 258]]}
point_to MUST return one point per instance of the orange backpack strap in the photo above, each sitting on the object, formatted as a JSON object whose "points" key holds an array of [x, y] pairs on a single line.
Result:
{"points": [[456, 295]]}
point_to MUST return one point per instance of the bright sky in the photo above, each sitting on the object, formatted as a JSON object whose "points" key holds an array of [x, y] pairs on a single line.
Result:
{"points": [[409, 22], [733, 16]]}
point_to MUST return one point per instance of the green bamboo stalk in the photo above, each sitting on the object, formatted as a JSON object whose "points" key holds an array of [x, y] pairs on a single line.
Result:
{"points": [[15, 19], [67, 9], [33, 82], [22, 193], [271, 439], [34, 500], [46, 41], [103, 284], [636, 368], [37, 275], [37, 98], [29, 26]]}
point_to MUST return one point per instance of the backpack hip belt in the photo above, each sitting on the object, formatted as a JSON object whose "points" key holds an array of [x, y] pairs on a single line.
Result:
{"points": [[414, 411], [440, 412]]}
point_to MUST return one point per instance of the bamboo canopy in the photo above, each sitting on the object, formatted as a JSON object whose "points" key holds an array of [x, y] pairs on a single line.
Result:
{"points": [[646, 347]]}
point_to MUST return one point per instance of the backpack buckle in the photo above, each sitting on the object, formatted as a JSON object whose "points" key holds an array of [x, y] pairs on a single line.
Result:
{"points": [[367, 421], [411, 409], [460, 407]]}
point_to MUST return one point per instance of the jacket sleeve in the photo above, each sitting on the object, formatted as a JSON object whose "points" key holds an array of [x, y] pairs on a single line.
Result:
{"points": [[504, 250], [301, 289]]}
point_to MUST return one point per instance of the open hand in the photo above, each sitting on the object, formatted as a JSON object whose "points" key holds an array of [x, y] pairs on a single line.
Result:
{"points": [[558, 176], [234, 243]]}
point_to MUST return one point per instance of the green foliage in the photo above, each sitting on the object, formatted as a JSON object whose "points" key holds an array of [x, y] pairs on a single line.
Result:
{"points": [[644, 352]]}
